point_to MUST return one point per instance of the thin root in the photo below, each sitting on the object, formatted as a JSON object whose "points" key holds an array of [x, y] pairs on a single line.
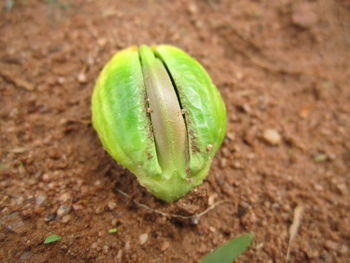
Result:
{"points": [[194, 218]]}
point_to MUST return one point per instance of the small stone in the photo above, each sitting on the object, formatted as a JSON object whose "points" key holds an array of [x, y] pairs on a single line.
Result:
{"points": [[66, 219], [211, 199], [272, 137], [331, 245], [99, 210], [102, 42], [46, 177], [193, 9], [111, 205], [82, 77], [51, 217], [164, 246], [94, 245], [40, 199], [77, 207], [318, 187], [19, 200], [64, 197], [61, 80], [143, 238], [313, 253], [239, 75], [114, 221], [52, 185], [245, 108], [222, 162], [209, 147], [230, 135], [344, 249], [105, 249], [63, 210], [237, 165]]}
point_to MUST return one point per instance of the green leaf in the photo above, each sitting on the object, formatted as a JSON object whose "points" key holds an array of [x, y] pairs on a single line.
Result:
{"points": [[52, 238], [230, 250], [112, 230], [320, 158]]}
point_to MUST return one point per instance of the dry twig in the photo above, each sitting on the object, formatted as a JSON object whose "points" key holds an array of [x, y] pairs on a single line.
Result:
{"points": [[293, 230]]}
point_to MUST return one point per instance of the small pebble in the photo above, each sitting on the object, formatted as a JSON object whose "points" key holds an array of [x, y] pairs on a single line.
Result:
{"points": [[51, 217], [111, 205], [272, 137], [64, 197], [223, 162], [61, 80], [102, 42], [237, 165], [94, 245], [164, 246], [77, 207], [66, 219], [40, 199], [63, 210], [193, 9], [105, 249], [211, 199], [143, 238], [82, 77], [99, 210], [318, 187], [46, 177]]}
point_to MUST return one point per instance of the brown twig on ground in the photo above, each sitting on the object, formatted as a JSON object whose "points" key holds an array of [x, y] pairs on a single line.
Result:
{"points": [[293, 230], [15, 80], [194, 218]]}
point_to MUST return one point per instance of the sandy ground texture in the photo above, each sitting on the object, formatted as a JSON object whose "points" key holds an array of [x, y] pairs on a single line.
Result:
{"points": [[283, 69]]}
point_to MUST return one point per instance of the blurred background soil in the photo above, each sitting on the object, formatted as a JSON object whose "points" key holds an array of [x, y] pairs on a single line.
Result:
{"points": [[283, 69]]}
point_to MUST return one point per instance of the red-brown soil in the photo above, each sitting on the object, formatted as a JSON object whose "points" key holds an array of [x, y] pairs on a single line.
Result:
{"points": [[280, 65]]}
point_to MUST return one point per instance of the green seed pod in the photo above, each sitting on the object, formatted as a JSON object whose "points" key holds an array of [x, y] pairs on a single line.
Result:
{"points": [[157, 113]]}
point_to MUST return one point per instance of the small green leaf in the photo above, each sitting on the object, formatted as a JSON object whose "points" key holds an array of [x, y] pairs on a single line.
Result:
{"points": [[320, 158], [230, 250], [112, 230], [52, 238]]}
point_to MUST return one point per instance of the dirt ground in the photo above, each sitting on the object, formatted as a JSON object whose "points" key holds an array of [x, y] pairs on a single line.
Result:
{"points": [[283, 69]]}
